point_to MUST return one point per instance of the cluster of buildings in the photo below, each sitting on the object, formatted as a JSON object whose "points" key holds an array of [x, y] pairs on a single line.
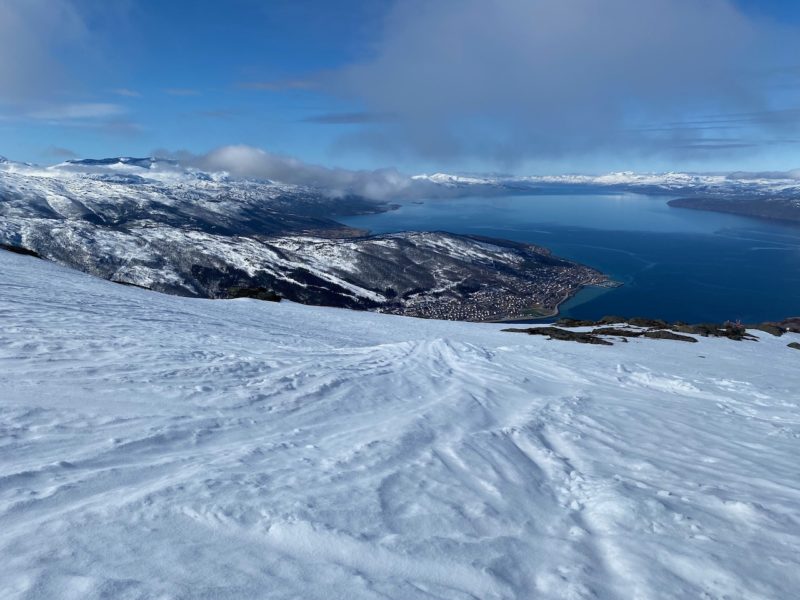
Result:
{"points": [[538, 296]]}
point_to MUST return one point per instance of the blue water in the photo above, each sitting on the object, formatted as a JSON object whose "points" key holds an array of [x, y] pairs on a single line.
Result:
{"points": [[675, 264]]}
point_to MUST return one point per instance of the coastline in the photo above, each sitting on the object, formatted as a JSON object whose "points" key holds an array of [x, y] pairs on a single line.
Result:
{"points": [[782, 212], [556, 310]]}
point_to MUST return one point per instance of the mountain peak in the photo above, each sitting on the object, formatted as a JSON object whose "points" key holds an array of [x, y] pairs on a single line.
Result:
{"points": [[145, 163]]}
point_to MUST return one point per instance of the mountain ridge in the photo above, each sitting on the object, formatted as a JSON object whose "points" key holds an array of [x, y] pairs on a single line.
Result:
{"points": [[188, 232]]}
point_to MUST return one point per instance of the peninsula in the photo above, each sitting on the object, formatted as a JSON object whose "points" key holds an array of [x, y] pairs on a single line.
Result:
{"points": [[151, 223]]}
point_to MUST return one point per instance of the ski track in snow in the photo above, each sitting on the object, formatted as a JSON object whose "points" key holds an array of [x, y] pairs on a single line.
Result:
{"points": [[161, 447]]}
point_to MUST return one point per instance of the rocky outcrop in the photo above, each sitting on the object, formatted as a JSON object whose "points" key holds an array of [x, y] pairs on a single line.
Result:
{"points": [[639, 327], [256, 293], [555, 333], [19, 250]]}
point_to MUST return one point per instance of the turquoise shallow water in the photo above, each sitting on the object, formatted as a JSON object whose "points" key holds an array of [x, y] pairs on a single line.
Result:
{"points": [[675, 264]]}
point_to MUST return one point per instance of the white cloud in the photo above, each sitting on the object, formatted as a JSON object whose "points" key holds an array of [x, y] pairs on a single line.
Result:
{"points": [[90, 110], [247, 161], [521, 78]]}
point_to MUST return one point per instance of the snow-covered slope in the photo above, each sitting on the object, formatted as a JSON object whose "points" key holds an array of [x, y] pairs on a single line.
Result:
{"points": [[120, 192], [152, 223], [154, 446]]}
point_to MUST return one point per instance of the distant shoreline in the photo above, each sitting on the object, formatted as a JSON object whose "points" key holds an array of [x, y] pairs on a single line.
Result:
{"points": [[556, 311], [780, 210]]}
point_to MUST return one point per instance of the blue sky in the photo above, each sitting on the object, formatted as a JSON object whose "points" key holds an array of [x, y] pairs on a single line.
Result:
{"points": [[524, 86]]}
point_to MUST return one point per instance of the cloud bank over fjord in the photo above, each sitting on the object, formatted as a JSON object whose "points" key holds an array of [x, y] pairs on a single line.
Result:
{"points": [[242, 161], [508, 85], [247, 161], [517, 79]]}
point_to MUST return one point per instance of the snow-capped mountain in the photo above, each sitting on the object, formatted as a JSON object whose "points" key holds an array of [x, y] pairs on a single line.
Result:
{"points": [[152, 223], [723, 183], [771, 195], [154, 446]]}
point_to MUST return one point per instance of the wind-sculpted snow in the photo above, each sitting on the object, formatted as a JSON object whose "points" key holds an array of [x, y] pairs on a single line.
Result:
{"points": [[151, 223], [154, 446]]}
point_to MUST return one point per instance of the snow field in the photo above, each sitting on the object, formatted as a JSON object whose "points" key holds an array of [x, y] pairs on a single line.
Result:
{"points": [[161, 447]]}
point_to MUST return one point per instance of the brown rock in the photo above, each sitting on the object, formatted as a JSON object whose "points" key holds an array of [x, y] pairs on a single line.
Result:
{"points": [[555, 333], [615, 331], [668, 335]]}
